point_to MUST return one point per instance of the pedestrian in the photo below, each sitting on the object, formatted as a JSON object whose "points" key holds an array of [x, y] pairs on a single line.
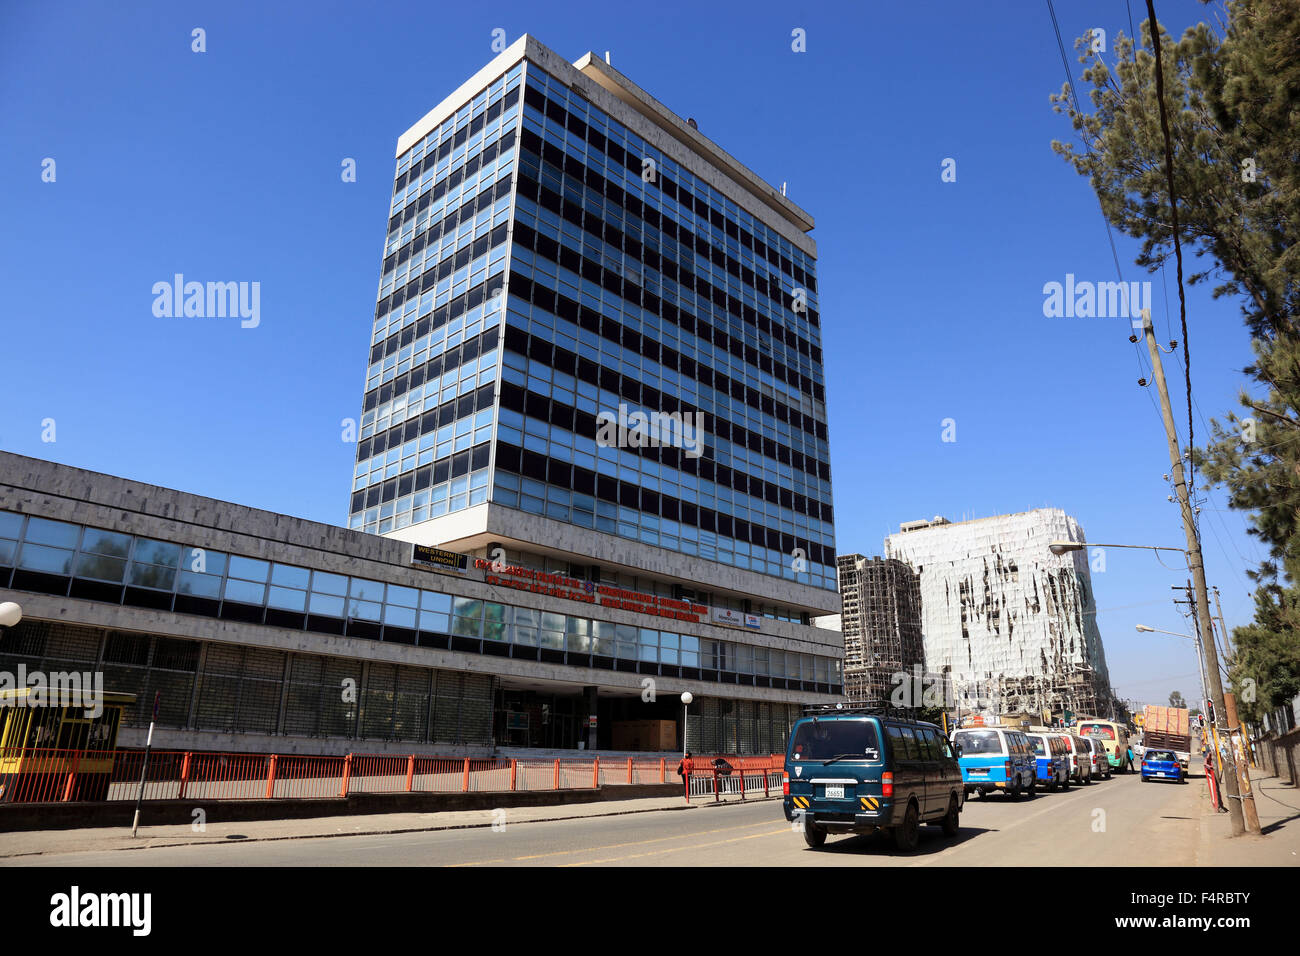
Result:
{"points": [[686, 767], [1130, 759]]}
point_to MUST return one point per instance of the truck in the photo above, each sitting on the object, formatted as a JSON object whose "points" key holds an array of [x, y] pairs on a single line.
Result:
{"points": [[1168, 728]]}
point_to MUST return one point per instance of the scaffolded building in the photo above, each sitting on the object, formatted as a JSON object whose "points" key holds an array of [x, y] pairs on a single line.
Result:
{"points": [[1008, 626], [881, 623]]}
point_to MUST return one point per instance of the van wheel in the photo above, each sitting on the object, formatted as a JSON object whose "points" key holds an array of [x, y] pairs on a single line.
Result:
{"points": [[1065, 782], [952, 820], [908, 834], [1033, 784], [813, 835], [981, 793], [1013, 792], [1051, 787]]}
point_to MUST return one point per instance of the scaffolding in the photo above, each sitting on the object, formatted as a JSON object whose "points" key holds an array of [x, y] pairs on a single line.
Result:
{"points": [[881, 623], [1012, 626]]}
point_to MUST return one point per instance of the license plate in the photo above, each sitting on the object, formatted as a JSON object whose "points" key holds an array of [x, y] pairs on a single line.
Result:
{"points": [[979, 773], [835, 793]]}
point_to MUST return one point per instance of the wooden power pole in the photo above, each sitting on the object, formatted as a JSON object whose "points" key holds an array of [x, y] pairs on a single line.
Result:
{"points": [[1196, 566]]}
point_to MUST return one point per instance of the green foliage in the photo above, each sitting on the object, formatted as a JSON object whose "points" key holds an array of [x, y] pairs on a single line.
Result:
{"points": [[1233, 99]]}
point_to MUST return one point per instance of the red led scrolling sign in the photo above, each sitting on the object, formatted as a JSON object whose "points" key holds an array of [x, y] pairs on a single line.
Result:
{"points": [[559, 585]]}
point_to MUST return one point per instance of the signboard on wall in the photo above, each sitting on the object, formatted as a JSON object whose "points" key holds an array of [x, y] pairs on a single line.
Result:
{"points": [[429, 556], [589, 592], [730, 618]]}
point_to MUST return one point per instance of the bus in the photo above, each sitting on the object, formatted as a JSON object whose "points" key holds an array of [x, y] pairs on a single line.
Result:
{"points": [[55, 751], [1114, 737]]}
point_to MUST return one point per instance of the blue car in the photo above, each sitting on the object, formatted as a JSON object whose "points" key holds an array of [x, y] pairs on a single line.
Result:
{"points": [[1162, 765]]}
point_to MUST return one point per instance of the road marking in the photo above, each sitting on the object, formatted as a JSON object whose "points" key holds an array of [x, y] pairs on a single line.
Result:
{"points": [[678, 849], [614, 846]]}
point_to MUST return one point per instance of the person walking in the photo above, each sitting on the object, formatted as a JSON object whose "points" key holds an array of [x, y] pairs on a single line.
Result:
{"points": [[684, 770]]}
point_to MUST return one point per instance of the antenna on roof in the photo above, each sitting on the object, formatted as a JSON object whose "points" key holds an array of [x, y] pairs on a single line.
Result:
{"points": [[606, 56], [783, 189]]}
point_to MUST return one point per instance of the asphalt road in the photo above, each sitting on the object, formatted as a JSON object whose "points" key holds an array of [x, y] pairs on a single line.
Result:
{"points": [[1117, 822]]}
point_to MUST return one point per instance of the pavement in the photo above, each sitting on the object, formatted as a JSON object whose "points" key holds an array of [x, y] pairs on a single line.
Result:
{"points": [[15, 846], [1278, 807]]}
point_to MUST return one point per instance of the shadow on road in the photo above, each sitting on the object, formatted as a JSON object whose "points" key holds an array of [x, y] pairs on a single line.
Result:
{"points": [[881, 844]]}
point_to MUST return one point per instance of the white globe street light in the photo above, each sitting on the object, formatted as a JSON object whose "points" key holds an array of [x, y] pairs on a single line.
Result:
{"points": [[10, 614]]}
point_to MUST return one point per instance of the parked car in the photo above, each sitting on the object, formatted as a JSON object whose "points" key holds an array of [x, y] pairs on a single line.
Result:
{"points": [[857, 772], [1052, 758], [1080, 758], [1162, 765], [1100, 759], [996, 758]]}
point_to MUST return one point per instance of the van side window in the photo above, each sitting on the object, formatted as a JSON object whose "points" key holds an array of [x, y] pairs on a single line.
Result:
{"points": [[930, 749], [909, 741], [896, 745]]}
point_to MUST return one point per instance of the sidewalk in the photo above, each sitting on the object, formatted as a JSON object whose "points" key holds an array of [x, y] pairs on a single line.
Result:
{"points": [[15, 846], [1278, 806]]}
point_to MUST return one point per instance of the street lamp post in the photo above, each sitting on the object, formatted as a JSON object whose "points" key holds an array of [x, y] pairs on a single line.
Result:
{"points": [[687, 697]]}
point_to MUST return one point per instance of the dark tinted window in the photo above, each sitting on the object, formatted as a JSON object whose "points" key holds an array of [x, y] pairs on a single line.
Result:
{"points": [[824, 739], [978, 742]]}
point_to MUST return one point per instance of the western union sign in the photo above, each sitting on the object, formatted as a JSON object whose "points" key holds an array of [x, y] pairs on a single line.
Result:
{"points": [[438, 558]]}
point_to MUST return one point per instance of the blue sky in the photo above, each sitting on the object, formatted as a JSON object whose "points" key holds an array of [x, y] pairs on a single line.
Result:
{"points": [[225, 165]]}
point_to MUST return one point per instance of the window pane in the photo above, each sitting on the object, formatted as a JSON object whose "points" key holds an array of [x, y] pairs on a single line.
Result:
{"points": [[404, 597], [9, 524], [288, 576], [364, 610], [469, 607], [156, 552], [287, 599], [326, 604], [399, 616], [200, 585], [366, 590], [100, 567], [59, 533], [106, 542], [246, 592], [433, 601], [323, 583], [50, 560]]}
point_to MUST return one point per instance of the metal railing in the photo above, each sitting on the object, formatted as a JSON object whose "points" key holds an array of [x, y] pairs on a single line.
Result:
{"points": [[38, 775]]}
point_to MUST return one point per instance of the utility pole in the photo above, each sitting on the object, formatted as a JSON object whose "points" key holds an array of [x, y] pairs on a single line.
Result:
{"points": [[1195, 564], [1241, 749]]}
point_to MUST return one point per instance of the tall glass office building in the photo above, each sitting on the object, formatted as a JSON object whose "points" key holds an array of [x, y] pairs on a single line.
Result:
{"points": [[563, 251]]}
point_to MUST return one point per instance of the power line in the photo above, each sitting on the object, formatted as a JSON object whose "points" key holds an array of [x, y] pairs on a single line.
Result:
{"points": [[1173, 210]]}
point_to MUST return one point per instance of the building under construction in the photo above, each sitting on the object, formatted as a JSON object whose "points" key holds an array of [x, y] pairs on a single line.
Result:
{"points": [[1010, 626], [881, 623]]}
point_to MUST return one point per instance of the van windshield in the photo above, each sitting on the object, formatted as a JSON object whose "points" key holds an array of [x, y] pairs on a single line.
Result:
{"points": [[824, 739], [978, 742]]}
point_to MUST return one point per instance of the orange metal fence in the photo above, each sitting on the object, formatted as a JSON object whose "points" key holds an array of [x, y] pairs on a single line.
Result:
{"points": [[36, 775]]}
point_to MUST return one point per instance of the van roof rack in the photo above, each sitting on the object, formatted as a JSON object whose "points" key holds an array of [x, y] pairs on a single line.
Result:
{"points": [[817, 710]]}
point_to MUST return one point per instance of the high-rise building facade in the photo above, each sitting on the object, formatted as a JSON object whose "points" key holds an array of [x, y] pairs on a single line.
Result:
{"points": [[553, 255], [1010, 626], [881, 623], [597, 352]]}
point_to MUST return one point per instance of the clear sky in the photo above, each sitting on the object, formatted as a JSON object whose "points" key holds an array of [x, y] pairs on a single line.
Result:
{"points": [[225, 165]]}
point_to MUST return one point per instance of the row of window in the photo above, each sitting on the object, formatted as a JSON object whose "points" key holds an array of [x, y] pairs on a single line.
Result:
{"points": [[562, 504], [570, 119], [399, 311], [34, 546], [554, 397], [560, 182]]}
